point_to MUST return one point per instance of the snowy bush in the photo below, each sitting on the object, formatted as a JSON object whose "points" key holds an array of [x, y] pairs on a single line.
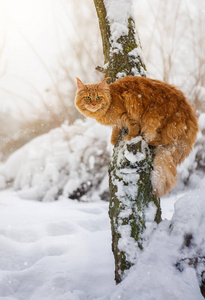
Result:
{"points": [[69, 160], [73, 161]]}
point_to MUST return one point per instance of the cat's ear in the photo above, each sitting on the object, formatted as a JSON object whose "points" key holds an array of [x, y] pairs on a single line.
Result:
{"points": [[104, 82], [79, 83]]}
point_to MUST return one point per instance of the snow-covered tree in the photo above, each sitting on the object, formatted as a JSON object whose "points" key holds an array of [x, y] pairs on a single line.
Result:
{"points": [[134, 209]]}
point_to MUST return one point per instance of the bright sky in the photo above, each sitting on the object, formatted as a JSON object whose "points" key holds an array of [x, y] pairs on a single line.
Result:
{"points": [[31, 30]]}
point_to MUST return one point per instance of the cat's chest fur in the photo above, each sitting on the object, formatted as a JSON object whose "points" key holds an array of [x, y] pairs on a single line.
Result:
{"points": [[116, 112]]}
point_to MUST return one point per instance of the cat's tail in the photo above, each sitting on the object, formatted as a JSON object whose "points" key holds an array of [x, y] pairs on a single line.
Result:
{"points": [[167, 157]]}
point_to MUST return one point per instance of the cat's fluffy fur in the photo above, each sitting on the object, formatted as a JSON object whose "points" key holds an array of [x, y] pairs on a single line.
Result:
{"points": [[153, 109]]}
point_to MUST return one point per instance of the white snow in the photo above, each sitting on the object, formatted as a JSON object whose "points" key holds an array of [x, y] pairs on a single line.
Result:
{"points": [[62, 251], [59, 250], [118, 13]]}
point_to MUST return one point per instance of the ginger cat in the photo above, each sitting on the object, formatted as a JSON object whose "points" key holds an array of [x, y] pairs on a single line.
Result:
{"points": [[153, 109]]}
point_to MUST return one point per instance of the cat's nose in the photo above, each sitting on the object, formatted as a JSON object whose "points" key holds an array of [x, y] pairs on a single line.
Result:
{"points": [[94, 104]]}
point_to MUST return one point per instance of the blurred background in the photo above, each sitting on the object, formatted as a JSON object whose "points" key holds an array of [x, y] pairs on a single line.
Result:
{"points": [[45, 44]]}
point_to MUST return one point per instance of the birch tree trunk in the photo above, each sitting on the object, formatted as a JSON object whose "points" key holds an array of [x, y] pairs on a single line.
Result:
{"points": [[134, 210]]}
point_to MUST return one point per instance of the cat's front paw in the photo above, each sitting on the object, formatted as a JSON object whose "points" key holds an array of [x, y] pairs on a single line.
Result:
{"points": [[115, 135], [113, 141], [128, 138]]}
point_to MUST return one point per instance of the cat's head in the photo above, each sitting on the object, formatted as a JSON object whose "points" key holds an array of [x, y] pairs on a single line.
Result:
{"points": [[93, 100]]}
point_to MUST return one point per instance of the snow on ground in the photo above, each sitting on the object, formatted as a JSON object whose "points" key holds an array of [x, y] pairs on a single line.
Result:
{"points": [[62, 251], [59, 250]]}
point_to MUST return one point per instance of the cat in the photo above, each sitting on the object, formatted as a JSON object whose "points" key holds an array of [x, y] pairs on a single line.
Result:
{"points": [[153, 109]]}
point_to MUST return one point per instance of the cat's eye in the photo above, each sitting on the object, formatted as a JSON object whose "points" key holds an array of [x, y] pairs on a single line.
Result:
{"points": [[98, 98], [88, 98]]}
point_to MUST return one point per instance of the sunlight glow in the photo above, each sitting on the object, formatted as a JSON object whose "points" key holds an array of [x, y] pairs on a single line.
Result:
{"points": [[26, 15], [27, 37]]}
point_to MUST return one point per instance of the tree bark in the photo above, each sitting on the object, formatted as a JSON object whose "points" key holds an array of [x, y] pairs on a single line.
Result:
{"points": [[123, 62], [134, 210]]}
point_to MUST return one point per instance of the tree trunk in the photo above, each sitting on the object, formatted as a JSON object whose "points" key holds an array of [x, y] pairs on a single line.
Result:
{"points": [[126, 61], [134, 210]]}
